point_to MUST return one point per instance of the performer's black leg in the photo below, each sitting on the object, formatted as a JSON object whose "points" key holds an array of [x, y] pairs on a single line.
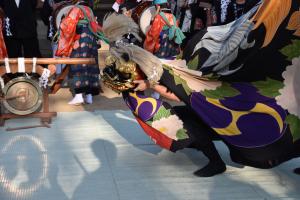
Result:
{"points": [[203, 136], [31, 48], [297, 171], [215, 165], [195, 125], [14, 47]]}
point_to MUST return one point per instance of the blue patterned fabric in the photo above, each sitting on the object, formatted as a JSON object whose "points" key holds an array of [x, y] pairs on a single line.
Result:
{"points": [[85, 78], [168, 48]]}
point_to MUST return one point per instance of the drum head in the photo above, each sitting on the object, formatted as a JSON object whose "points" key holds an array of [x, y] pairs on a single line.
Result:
{"points": [[137, 12], [145, 19], [61, 13], [22, 96]]}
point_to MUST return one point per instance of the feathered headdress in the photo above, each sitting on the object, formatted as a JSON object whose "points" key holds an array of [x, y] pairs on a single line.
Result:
{"points": [[115, 26]]}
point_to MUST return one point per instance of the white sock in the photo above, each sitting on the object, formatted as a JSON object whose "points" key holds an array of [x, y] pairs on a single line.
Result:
{"points": [[78, 99], [89, 98]]}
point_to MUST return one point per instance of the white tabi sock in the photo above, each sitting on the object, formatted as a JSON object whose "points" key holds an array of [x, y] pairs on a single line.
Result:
{"points": [[78, 99], [89, 99]]}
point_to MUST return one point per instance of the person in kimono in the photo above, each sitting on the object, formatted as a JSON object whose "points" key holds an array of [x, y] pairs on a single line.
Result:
{"points": [[20, 28], [164, 37], [79, 37], [172, 128]]}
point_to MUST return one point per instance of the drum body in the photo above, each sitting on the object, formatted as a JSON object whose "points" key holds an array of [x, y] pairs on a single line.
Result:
{"points": [[22, 96], [137, 12], [143, 15]]}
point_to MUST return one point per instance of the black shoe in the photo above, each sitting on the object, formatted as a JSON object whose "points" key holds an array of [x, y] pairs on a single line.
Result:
{"points": [[211, 169], [297, 171]]}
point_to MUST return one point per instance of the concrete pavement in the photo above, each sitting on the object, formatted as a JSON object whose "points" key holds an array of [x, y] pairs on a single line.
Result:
{"points": [[105, 155]]}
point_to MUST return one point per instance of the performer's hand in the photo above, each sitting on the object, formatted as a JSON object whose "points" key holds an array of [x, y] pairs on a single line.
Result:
{"points": [[142, 85]]}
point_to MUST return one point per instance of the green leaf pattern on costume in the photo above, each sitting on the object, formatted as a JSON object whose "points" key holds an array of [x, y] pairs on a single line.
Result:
{"points": [[294, 122], [179, 56], [193, 64], [182, 134], [179, 81], [162, 113], [292, 50], [225, 90], [269, 88]]}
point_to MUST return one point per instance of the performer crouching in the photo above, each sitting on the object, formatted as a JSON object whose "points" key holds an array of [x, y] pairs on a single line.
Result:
{"points": [[226, 83], [172, 128]]}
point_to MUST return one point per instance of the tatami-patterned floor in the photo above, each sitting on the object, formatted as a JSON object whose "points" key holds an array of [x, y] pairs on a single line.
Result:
{"points": [[104, 155]]}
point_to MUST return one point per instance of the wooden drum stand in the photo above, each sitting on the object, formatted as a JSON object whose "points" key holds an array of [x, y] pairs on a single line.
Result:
{"points": [[33, 66]]}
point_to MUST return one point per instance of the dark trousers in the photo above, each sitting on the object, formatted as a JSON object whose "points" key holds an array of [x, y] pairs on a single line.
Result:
{"points": [[203, 134], [27, 47]]}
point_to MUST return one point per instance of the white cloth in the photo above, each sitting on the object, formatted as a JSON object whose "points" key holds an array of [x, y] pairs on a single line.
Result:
{"points": [[7, 27], [34, 65], [7, 67], [43, 80], [1, 82], [17, 3], [116, 7], [21, 65]]}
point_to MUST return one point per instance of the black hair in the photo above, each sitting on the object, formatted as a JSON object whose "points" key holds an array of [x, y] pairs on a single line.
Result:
{"points": [[165, 7], [125, 56], [129, 5], [86, 3]]}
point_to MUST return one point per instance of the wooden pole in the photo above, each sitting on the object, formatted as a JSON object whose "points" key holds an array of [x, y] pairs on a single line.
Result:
{"points": [[35, 115], [59, 80], [47, 120], [47, 61], [28, 69], [29, 127], [51, 62]]}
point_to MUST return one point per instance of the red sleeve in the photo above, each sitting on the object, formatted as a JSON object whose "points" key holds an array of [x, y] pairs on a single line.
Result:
{"points": [[120, 1], [93, 21], [151, 43], [68, 34], [3, 52]]}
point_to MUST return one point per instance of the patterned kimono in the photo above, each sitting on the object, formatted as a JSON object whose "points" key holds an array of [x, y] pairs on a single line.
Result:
{"points": [[242, 82], [79, 32], [164, 36], [172, 128]]}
